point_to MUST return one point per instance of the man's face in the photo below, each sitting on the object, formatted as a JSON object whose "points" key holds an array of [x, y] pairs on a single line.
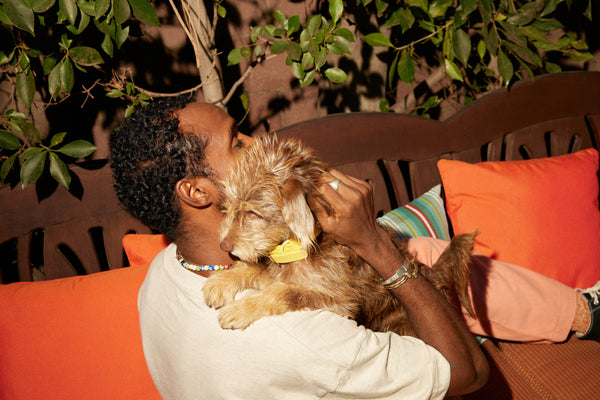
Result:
{"points": [[220, 131]]}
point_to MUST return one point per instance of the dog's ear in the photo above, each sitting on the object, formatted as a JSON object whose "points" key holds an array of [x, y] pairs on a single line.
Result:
{"points": [[297, 213]]}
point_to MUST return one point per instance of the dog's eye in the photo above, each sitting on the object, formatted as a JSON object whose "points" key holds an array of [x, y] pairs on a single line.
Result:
{"points": [[253, 215]]}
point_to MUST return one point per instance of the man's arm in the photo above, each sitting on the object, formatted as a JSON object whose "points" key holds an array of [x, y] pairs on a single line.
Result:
{"points": [[432, 317]]}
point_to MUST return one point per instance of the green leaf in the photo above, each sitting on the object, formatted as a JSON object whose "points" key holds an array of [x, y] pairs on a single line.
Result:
{"points": [[524, 15], [505, 67], [222, 11], [77, 149], [524, 53], [30, 152], [59, 171], [67, 77], [57, 139], [101, 7], [129, 110], [343, 45], [438, 8], [86, 56], [30, 131], [32, 168], [481, 49], [69, 9], [513, 33], [549, 7], [294, 51], [84, 21], [403, 17], [485, 10], [452, 70], [107, 45], [336, 8], [121, 35], [336, 75], [309, 77], [234, 57], [26, 87], [279, 46], [122, 11], [307, 60], [462, 46], [492, 41], [41, 6], [552, 67], [9, 141], [279, 16], [468, 6], [406, 67], [384, 105], [144, 12], [298, 70], [293, 25], [345, 33], [20, 14], [88, 8], [313, 24], [378, 39], [321, 58], [422, 4], [244, 100], [7, 166], [546, 25]]}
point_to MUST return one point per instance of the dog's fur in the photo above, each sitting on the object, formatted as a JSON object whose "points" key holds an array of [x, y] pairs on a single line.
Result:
{"points": [[265, 203]]}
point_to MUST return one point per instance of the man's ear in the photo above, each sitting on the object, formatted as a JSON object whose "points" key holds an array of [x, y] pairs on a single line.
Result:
{"points": [[195, 192]]}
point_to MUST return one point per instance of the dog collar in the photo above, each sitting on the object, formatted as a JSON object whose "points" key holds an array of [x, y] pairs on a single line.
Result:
{"points": [[289, 251]]}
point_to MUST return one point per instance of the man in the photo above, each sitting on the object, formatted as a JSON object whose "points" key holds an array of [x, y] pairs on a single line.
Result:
{"points": [[167, 160]]}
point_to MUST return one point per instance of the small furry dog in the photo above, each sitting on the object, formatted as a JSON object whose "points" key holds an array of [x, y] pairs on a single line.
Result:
{"points": [[265, 204]]}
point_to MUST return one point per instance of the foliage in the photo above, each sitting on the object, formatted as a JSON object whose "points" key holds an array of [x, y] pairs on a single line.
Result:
{"points": [[47, 46], [477, 42], [44, 45]]}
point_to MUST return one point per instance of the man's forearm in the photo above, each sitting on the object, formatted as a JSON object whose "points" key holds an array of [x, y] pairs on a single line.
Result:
{"points": [[433, 318]]}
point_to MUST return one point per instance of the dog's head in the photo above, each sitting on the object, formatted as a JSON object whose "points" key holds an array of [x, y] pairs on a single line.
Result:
{"points": [[264, 198]]}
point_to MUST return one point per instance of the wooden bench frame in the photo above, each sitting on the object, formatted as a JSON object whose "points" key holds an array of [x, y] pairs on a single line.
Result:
{"points": [[555, 114]]}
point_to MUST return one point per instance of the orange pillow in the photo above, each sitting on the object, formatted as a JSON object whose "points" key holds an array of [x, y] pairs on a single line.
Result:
{"points": [[141, 248], [74, 338], [541, 214]]}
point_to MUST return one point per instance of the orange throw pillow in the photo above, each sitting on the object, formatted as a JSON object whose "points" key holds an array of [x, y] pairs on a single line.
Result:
{"points": [[541, 214], [141, 248], [74, 338]]}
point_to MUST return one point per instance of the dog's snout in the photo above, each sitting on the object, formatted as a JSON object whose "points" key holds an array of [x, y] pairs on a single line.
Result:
{"points": [[226, 245]]}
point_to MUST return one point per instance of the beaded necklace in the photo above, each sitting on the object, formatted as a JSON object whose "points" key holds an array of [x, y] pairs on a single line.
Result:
{"points": [[194, 267]]}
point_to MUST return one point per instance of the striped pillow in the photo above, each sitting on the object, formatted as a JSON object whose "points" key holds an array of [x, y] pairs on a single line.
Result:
{"points": [[424, 216]]}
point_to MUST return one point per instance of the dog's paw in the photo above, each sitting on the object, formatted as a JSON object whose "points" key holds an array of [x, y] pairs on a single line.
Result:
{"points": [[235, 316], [219, 291]]}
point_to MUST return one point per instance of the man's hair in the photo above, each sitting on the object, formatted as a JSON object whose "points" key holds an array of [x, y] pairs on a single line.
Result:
{"points": [[148, 156]]}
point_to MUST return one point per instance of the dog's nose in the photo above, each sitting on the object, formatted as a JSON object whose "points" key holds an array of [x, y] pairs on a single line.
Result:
{"points": [[226, 246]]}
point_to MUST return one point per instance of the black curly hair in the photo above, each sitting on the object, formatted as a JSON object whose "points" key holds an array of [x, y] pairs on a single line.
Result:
{"points": [[148, 156]]}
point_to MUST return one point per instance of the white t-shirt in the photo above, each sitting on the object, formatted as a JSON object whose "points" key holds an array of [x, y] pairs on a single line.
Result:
{"points": [[298, 355]]}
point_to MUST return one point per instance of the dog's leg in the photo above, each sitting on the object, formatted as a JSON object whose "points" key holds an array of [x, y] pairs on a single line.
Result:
{"points": [[243, 312], [222, 287]]}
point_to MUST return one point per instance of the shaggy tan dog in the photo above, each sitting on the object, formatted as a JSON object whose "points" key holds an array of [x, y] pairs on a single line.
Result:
{"points": [[265, 205]]}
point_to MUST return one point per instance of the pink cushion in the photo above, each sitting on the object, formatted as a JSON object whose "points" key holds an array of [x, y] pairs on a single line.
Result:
{"points": [[541, 214], [73, 338]]}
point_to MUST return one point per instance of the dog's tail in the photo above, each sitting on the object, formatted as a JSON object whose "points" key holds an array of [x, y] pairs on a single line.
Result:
{"points": [[457, 259]]}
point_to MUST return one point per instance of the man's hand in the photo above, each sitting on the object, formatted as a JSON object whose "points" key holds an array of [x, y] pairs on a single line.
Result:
{"points": [[353, 221]]}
